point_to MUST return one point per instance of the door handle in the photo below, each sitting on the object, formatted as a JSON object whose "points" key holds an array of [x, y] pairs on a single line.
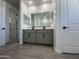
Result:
{"points": [[64, 27], [3, 28]]}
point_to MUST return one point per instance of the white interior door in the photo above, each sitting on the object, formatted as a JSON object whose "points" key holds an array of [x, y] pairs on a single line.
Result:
{"points": [[2, 23], [70, 26]]}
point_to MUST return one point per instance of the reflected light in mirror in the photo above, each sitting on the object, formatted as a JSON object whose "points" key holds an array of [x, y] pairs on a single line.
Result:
{"points": [[44, 0], [32, 8], [30, 2], [45, 21], [45, 6]]}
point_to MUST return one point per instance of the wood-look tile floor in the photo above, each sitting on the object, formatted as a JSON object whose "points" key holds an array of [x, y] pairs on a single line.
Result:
{"points": [[28, 51]]}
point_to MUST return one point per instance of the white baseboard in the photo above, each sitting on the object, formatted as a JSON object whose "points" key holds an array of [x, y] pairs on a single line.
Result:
{"points": [[58, 51], [7, 40], [20, 42]]}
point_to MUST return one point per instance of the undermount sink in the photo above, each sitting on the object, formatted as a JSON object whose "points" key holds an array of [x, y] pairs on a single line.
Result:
{"points": [[42, 27]]}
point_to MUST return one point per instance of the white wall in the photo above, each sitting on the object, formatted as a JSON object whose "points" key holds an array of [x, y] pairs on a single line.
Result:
{"points": [[40, 8], [43, 7], [23, 11], [53, 6], [58, 46]]}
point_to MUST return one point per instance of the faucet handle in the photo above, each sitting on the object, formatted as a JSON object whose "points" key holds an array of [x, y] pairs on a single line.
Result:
{"points": [[33, 27], [43, 27]]}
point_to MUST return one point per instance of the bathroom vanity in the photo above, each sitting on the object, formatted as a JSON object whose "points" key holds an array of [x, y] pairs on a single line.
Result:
{"points": [[39, 36], [41, 31]]}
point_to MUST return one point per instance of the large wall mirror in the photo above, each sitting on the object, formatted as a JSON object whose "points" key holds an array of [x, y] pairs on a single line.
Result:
{"points": [[42, 19]]}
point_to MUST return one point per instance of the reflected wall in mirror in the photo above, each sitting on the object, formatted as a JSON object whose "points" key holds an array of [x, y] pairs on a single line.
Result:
{"points": [[26, 20], [42, 19]]}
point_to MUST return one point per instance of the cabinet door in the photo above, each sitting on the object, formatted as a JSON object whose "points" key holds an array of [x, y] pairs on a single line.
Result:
{"points": [[40, 37], [32, 37], [45, 37], [48, 37], [29, 37]]}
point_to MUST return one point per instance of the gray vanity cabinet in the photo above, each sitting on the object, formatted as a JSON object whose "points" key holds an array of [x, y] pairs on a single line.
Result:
{"points": [[29, 36], [48, 39], [45, 37], [38, 36]]}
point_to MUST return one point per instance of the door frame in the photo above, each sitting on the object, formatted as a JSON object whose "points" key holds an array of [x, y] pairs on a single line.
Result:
{"points": [[57, 33], [8, 7], [57, 39]]}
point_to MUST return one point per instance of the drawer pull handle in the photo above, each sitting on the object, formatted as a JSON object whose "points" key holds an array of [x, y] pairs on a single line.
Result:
{"points": [[29, 35], [43, 35]]}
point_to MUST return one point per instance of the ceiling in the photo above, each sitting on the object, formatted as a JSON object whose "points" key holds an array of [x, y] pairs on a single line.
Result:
{"points": [[15, 3], [35, 2]]}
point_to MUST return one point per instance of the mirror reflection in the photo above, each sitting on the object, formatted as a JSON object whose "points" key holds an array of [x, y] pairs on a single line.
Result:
{"points": [[44, 19]]}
